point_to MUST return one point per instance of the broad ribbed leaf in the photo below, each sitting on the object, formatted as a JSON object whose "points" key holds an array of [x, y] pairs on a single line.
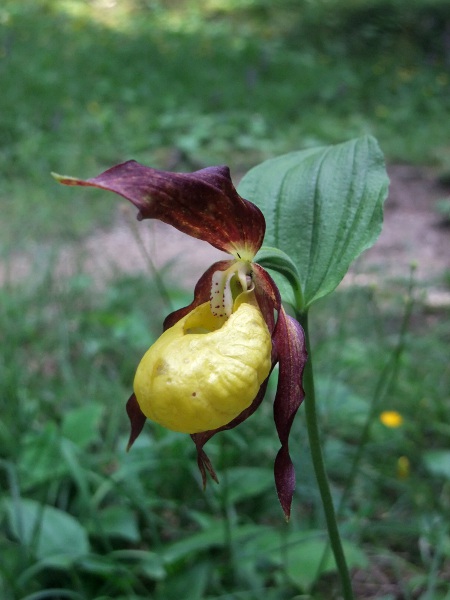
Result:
{"points": [[323, 207]]}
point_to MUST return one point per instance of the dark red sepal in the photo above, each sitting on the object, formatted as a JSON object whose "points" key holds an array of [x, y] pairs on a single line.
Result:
{"points": [[289, 351], [289, 342], [267, 295], [137, 419], [203, 204], [203, 462]]}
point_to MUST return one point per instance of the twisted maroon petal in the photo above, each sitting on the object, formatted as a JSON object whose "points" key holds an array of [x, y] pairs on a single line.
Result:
{"points": [[203, 204], [290, 351], [289, 341]]}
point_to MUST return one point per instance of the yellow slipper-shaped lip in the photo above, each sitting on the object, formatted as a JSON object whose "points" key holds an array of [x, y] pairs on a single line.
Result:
{"points": [[205, 370]]}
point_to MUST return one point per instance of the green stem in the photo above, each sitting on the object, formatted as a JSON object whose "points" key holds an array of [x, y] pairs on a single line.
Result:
{"points": [[319, 466]]}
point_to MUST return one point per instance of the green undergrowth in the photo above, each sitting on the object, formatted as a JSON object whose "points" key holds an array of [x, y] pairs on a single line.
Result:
{"points": [[81, 518], [182, 85]]}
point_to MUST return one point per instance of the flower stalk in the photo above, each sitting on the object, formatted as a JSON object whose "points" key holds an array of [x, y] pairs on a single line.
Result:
{"points": [[319, 465]]}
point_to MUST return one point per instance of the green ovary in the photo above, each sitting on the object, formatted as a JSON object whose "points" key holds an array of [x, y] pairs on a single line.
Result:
{"points": [[205, 370]]}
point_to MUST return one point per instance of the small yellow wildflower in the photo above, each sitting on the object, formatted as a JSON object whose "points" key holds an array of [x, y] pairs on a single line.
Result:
{"points": [[391, 418]]}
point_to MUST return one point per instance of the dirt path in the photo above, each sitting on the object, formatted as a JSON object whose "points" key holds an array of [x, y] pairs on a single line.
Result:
{"points": [[413, 231]]}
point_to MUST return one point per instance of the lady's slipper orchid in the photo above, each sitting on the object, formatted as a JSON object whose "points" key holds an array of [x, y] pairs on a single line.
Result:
{"points": [[209, 369]]}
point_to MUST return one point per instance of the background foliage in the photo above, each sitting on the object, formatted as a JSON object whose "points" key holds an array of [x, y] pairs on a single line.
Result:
{"points": [[179, 85]]}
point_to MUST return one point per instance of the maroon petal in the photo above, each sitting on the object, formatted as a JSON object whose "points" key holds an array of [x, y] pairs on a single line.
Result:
{"points": [[289, 340], [137, 419], [202, 293], [203, 204], [267, 294], [204, 464]]}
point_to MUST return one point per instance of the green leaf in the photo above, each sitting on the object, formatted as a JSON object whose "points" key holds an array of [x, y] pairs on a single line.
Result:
{"points": [[268, 547], [147, 562], [247, 482], [298, 552], [323, 207], [47, 531], [305, 556], [214, 537], [189, 583], [40, 458], [125, 564], [81, 424], [99, 565], [118, 521]]}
